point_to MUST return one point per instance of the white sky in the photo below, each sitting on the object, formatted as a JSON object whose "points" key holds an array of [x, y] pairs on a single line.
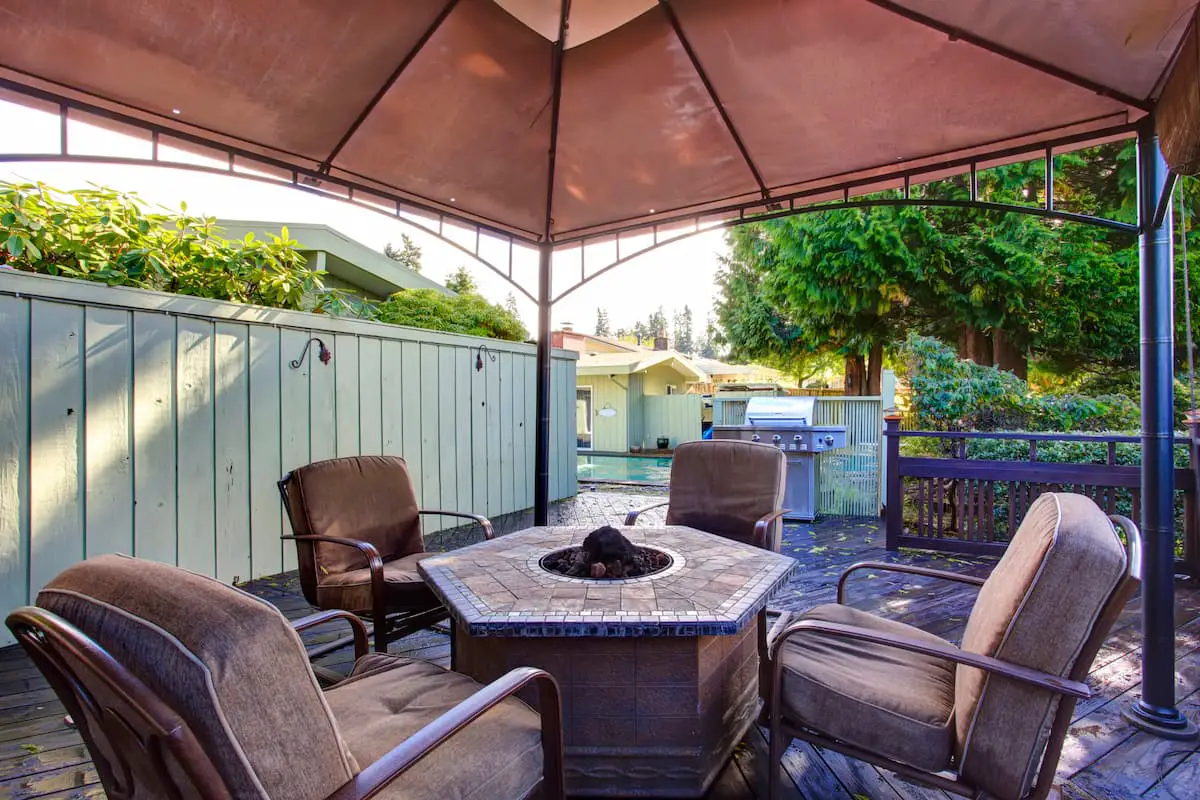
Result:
{"points": [[671, 276]]}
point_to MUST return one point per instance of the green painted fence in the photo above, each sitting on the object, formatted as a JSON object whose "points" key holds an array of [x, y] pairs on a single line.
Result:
{"points": [[676, 416], [154, 424]]}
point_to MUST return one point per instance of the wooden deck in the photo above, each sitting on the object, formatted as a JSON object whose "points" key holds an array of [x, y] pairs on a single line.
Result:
{"points": [[40, 757]]}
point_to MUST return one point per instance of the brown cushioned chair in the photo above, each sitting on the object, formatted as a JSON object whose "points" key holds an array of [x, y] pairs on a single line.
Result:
{"points": [[729, 488], [989, 712], [357, 528], [185, 687]]}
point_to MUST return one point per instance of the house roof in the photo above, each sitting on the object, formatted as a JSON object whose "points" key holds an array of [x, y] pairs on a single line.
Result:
{"points": [[631, 363], [345, 258], [715, 367]]}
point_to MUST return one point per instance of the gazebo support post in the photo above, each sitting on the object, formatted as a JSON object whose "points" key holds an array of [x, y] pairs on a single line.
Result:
{"points": [[545, 301], [541, 459], [1156, 711]]}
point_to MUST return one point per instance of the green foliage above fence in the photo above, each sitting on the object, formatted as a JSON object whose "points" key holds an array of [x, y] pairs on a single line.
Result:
{"points": [[949, 393], [467, 313], [112, 237]]}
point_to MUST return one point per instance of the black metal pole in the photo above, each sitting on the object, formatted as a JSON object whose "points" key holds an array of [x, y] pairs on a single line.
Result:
{"points": [[541, 460], [1156, 711]]}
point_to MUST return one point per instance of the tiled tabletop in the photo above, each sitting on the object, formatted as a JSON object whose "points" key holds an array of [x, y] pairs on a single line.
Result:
{"points": [[714, 586]]}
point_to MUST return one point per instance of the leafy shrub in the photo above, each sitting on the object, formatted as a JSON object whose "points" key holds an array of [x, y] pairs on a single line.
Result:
{"points": [[467, 313], [109, 236], [949, 393]]}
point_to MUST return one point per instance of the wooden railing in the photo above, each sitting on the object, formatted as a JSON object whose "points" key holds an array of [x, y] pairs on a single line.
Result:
{"points": [[958, 504]]}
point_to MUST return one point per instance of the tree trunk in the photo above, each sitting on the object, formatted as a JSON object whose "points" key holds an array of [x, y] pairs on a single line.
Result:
{"points": [[855, 375], [1008, 357], [974, 345], [875, 370]]}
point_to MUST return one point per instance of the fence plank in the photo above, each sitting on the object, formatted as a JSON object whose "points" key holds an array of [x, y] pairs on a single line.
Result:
{"points": [[14, 456], [431, 487], [154, 444], [507, 467], [495, 468], [391, 397], [194, 429], [108, 364], [346, 395], [266, 447], [463, 367], [479, 441], [447, 431], [231, 356], [410, 391], [295, 424], [522, 476], [56, 491], [370, 398]]}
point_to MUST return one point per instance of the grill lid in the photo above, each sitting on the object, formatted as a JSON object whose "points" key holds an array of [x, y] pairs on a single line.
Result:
{"points": [[791, 412]]}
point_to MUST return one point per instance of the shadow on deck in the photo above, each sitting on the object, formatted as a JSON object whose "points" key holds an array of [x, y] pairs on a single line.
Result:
{"points": [[1103, 758]]}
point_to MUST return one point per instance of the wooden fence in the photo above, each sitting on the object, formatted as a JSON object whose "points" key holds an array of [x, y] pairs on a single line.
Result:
{"points": [[157, 425], [958, 504], [675, 416]]}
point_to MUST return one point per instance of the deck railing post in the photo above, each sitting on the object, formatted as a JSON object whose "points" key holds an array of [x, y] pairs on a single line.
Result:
{"points": [[894, 498], [1156, 711], [1191, 530]]}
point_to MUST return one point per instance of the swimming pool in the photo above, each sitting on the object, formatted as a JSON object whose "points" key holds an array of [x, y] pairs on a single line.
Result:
{"points": [[624, 468]]}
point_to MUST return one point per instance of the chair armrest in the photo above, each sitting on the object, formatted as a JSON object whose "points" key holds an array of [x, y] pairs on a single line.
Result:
{"points": [[357, 627], [784, 620], [631, 517], [375, 777], [1033, 677], [882, 567], [483, 521], [374, 562], [764, 525]]}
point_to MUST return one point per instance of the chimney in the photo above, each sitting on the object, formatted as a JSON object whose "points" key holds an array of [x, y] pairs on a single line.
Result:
{"points": [[660, 343], [568, 326]]}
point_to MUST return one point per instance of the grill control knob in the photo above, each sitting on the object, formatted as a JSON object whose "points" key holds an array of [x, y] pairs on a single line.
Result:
{"points": [[776, 439], [755, 437], [829, 441], [797, 438]]}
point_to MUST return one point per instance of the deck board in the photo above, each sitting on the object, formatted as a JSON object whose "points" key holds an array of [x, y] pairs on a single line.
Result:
{"points": [[40, 757]]}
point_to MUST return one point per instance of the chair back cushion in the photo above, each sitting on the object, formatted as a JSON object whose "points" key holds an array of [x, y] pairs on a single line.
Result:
{"points": [[1038, 608], [724, 486], [226, 662], [369, 498]]}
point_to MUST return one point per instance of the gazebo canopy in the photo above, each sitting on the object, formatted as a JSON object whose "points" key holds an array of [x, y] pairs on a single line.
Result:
{"points": [[667, 110]]}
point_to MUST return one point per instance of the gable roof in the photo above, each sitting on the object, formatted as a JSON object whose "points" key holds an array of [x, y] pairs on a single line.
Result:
{"points": [[634, 362], [345, 258]]}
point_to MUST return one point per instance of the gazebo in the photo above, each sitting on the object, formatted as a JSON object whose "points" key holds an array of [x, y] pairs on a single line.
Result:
{"points": [[574, 128]]}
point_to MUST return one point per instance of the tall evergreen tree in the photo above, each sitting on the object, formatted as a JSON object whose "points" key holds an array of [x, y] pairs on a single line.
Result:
{"points": [[407, 254], [602, 325]]}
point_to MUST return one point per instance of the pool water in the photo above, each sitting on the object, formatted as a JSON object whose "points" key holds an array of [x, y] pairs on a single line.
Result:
{"points": [[624, 468]]}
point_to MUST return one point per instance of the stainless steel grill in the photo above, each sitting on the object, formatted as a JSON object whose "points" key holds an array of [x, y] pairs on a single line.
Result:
{"points": [[787, 423]]}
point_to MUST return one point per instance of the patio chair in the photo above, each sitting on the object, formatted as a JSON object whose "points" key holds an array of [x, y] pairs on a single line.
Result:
{"points": [[977, 720], [184, 687], [357, 529], [729, 488]]}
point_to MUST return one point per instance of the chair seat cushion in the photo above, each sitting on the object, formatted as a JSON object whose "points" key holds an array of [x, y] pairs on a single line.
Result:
{"points": [[889, 701], [387, 699], [404, 587]]}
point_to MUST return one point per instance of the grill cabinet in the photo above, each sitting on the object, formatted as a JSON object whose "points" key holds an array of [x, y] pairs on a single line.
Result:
{"points": [[787, 423]]}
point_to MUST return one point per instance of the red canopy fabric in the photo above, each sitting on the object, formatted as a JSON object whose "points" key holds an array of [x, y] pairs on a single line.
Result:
{"points": [[667, 108]]}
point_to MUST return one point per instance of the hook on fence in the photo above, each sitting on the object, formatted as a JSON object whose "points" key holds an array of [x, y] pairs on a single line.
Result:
{"points": [[322, 353], [479, 356]]}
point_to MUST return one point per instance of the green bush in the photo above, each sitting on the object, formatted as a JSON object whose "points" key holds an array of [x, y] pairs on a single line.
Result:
{"points": [[109, 236], [949, 393], [467, 313]]}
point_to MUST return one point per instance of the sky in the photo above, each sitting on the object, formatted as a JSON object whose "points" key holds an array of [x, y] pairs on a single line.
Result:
{"points": [[677, 274]]}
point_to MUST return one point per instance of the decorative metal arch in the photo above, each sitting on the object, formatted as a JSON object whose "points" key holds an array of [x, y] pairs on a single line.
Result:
{"points": [[1046, 211]]}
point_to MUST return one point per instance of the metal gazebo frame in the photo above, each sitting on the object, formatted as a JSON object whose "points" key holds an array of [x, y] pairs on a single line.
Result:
{"points": [[1156, 711]]}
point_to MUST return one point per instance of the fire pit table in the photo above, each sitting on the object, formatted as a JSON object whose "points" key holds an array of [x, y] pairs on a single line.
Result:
{"points": [[659, 673]]}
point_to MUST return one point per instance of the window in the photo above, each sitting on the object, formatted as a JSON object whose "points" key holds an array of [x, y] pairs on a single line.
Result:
{"points": [[583, 417]]}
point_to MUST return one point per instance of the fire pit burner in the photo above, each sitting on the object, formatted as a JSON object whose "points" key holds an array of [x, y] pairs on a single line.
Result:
{"points": [[606, 555]]}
